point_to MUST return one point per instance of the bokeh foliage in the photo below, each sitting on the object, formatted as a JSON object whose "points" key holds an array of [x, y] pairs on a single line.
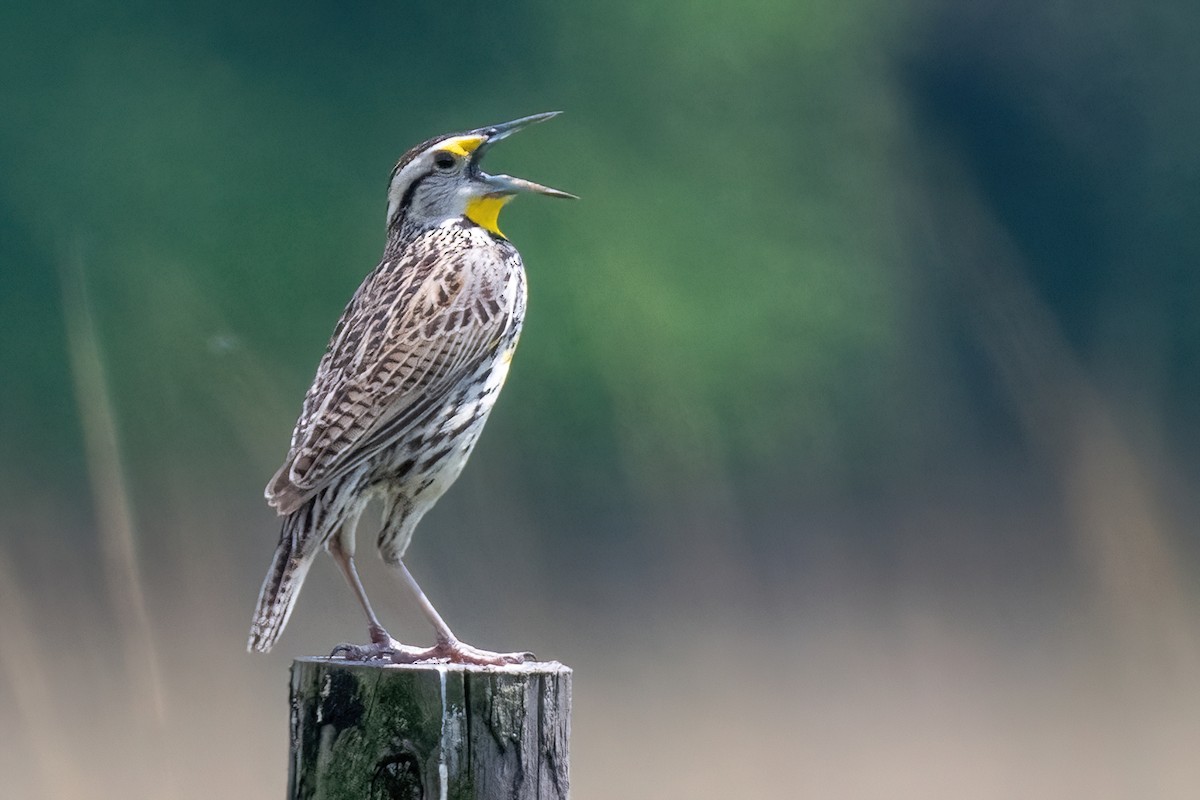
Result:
{"points": [[732, 282], [744, 299]]}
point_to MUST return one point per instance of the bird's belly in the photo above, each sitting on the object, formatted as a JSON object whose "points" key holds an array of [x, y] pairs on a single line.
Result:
{"points": [[423, 465]]}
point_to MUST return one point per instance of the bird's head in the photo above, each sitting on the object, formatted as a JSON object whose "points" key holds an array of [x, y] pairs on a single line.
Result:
{"points": [[441, 179]]}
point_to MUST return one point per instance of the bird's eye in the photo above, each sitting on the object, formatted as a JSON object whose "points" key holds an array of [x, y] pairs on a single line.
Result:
{"points": [[444, 161]]}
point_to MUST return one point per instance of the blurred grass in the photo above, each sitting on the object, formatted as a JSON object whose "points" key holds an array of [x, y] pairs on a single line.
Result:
{"points": [[853, 427]]}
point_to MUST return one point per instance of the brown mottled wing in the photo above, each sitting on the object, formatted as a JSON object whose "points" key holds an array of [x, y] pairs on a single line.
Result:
{"points": [[415, 327]]}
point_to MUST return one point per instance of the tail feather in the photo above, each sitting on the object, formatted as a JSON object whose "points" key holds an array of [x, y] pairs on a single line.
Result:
{"points": [[278, 595]]}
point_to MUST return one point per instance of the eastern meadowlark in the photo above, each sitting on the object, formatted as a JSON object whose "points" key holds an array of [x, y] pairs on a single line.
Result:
{"points": [[406, 384]]}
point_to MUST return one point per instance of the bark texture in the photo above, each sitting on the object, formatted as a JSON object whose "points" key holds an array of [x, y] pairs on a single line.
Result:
{"points": [[428, 732]]}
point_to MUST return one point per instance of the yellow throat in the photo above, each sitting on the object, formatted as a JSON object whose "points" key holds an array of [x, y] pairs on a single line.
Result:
{"points": [[485, 212]]}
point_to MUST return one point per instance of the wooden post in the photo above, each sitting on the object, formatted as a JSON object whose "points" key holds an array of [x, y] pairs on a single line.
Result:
{"points": [[364, 731]]}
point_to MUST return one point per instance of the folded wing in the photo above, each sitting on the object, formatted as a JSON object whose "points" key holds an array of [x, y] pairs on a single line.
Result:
{"points": [[413, 330]]}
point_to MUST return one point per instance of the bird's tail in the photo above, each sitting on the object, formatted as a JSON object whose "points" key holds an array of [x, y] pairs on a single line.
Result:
{"points": [[292, 559]]}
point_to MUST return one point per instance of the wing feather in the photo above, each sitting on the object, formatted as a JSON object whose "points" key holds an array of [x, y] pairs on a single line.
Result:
{"points": [[410, 334]]}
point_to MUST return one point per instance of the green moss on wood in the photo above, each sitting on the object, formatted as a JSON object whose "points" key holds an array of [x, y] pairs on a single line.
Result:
{"points": [[388, 732]]}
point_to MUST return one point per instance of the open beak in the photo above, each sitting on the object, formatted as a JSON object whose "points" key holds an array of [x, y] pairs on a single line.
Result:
{"points": [[507, 185]]}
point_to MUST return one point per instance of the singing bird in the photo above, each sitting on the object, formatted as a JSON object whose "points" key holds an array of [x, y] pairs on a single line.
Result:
{"points": [[405, 386]]}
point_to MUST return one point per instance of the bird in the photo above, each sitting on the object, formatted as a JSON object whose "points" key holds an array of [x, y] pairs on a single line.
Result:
{"points": [[401, 395]]}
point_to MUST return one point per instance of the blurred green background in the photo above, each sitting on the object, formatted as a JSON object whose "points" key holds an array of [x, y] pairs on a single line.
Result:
{"points": [[851, 447]]}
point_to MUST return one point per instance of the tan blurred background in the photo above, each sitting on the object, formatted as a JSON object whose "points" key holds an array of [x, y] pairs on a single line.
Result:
{"points": [[852, 446]]}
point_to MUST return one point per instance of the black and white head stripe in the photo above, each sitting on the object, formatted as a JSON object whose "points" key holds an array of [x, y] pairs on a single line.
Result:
{"points": [[422, 162]]}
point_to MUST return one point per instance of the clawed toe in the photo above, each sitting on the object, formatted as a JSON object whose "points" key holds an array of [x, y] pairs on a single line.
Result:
{"points": [[395, 652], [359, 652], [457, 652], [347, 651], [382, 648]]}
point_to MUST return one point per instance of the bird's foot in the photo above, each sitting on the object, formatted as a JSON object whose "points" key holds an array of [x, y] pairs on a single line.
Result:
{"points": [[456, 652], [382, 648], [395, 652]]}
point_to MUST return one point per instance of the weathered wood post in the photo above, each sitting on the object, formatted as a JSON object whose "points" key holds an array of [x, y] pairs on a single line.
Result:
{"points": [[362, 731]]}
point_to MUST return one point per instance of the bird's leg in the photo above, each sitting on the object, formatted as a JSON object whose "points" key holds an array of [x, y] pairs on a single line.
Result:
{"points": [[382, 644], [448, 647], [345, 562]]}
